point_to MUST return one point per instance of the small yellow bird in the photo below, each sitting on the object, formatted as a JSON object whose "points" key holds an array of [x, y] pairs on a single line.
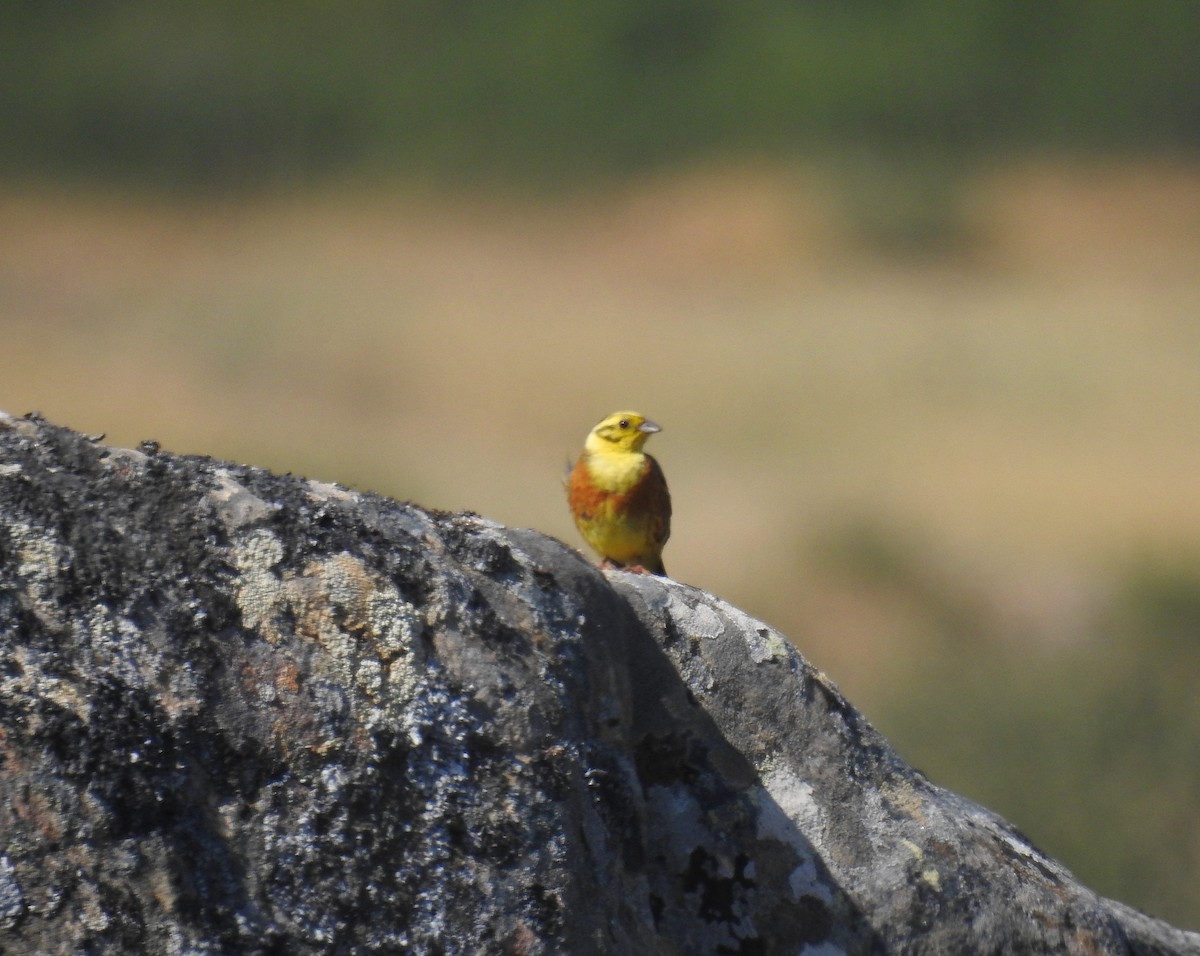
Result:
{"points": [[619, 497]]}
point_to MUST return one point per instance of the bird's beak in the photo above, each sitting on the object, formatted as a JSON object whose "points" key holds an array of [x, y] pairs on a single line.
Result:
{"points": [[649, 428]]}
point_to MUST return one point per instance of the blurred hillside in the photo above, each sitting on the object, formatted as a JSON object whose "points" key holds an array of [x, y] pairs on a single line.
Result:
{"points": [[912, 288], [965, 485], [219, 91]]}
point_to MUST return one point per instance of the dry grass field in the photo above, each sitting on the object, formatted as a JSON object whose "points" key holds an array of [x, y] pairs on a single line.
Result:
{"points": [[1014, 417]]}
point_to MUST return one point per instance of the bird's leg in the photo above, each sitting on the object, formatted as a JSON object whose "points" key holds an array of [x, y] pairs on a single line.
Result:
{"points": [[608, 564]]}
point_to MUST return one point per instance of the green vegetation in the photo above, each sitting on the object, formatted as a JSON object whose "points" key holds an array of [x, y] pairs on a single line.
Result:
{"points": [[226, 92]]}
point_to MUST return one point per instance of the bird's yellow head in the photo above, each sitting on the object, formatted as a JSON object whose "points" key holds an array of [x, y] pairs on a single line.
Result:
{"points": [[620, 432]]}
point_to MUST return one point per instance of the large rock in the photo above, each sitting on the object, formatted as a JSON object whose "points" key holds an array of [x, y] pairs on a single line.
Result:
{"points": [[245, 713]]}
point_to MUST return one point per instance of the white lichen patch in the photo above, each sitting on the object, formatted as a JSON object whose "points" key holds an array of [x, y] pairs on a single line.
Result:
{"points": [[12, 900], [765, 643], [260, 591], [365, 629], [236, 505], [794, 797], [39, 558], [789, 813], [112, 643], [29, 679], [396, 626], [334, 606], [328, 491], [700, 621], [21, 426], [707, 618]]}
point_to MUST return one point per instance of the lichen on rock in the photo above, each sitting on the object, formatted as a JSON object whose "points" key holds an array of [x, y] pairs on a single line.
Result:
{"points": [[242, 712]]}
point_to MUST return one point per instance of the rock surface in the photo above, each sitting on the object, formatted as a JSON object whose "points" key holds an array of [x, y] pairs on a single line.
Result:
{"points": [[245, 713]]}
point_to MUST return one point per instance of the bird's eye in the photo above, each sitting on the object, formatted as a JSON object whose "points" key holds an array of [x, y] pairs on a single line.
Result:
{"points": [[624, 423]]}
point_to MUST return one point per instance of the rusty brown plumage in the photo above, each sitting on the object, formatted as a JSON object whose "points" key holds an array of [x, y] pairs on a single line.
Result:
{"points": [[618, 495]]}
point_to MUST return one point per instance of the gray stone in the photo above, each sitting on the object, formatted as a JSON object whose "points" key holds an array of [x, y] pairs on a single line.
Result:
{"points": [[245, 713]]}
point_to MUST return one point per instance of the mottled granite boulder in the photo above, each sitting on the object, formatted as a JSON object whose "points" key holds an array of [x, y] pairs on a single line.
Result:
{"points": [[245, 713]]}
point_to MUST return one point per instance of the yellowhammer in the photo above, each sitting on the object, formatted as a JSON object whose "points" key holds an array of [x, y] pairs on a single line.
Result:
{"points": [[619, 497]]}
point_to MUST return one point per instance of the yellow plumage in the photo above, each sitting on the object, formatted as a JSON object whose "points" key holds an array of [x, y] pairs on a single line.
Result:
{"points": [[618, 494]]}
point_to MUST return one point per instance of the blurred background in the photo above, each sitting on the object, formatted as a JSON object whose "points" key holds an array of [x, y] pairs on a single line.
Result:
{"points": [[913, 288]]}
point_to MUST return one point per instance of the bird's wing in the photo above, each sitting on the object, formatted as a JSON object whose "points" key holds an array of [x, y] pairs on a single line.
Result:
{"points": [[655, 501]]}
